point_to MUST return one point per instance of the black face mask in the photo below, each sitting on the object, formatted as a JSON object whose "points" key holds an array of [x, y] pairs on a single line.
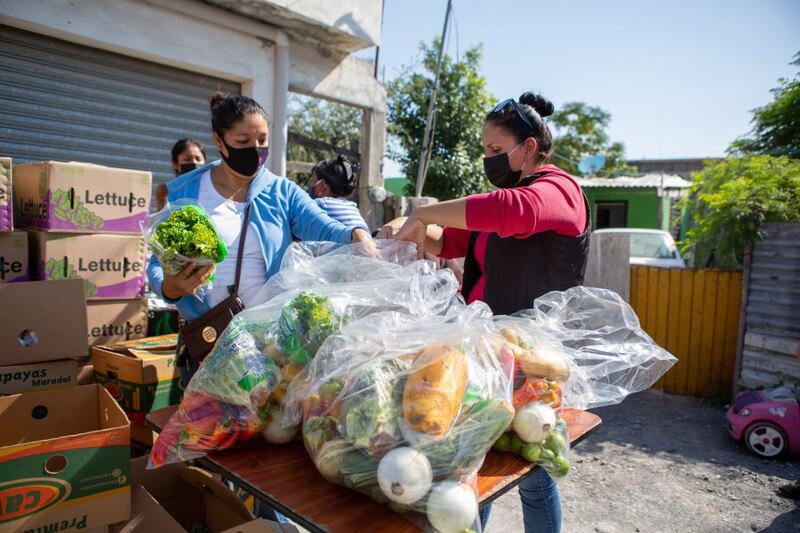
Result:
{"points": [[311, 189], [498, 170], [245, 161], [183, 168]]}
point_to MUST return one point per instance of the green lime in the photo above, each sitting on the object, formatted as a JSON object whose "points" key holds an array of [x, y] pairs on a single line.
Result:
{"points": [[516, 444], [532, 452], [503, 444], [560, 466], [555, 443], [548, 457]]}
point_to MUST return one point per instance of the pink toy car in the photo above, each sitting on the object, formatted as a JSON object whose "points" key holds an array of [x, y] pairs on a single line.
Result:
{"points": [[767, 420]]}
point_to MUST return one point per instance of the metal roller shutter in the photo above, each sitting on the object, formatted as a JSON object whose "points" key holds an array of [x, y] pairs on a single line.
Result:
{"points": [[66, 102]]}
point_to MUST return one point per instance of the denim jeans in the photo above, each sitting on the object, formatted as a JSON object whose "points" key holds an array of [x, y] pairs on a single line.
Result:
{"points": [[541, 505]]}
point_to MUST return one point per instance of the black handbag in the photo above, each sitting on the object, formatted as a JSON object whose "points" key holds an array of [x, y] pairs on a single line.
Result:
{"points": [[197, 338]]}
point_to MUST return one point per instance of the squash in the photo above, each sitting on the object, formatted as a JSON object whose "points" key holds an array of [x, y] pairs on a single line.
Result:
{"points": [[544, 362]]}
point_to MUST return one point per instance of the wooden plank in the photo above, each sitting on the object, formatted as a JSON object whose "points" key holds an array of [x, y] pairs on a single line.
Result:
{"points": [[285, 477], [709, 314], [732, 328], [662, 312], [673, 327], [652, 301], [681, 368], [720, 324], [695, 338]]}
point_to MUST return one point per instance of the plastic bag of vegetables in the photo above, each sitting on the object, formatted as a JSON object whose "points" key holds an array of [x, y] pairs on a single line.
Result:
{"points": [[321, 263], [405, 408], [181, 233], [238, 390], [582, 347]]}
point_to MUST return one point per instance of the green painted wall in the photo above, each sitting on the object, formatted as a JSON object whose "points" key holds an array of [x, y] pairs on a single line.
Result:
{"points": [[642, 204], [395, 186]]}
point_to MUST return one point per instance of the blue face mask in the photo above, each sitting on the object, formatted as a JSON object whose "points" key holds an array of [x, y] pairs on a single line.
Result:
{"points": [[312, 188]]}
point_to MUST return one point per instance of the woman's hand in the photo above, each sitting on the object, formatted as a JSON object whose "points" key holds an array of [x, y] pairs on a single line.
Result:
{"points": [[360, 236], [414, 230], [390, 229], [186, 282]]}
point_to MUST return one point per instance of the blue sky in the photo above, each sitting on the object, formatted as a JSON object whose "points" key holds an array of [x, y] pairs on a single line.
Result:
{"points": [[679, 78]]}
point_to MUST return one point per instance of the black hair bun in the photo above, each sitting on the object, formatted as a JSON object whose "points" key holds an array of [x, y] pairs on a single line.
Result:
{"points": [[216, 99], [542, 105]]}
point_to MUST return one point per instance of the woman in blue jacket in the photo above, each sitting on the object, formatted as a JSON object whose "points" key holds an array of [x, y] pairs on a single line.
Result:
{"points": [[280, 210]]}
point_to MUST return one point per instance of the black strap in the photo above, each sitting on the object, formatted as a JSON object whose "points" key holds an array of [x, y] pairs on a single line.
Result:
{"points": [[234, 290]]}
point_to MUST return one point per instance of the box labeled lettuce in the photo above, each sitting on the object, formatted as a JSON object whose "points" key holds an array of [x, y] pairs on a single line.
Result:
{"points": [[140, 374], [64, 461], [115, 321], [111, 266], [14, 256], [46, 375], [6, 203], [80, 197]]}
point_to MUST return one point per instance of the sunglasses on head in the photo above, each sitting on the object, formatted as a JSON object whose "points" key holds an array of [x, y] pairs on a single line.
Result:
{"points": [[518, 108], [347, 166]]}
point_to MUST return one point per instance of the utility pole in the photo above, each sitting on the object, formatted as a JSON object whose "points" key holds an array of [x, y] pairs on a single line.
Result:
{"points": [[427, 145]]}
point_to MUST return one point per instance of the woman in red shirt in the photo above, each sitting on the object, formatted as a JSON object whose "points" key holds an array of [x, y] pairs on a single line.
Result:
{"points": [[528, 237]]}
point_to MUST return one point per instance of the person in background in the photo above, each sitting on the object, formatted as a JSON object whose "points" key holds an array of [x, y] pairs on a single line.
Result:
{"points": [[332, 184], [519, 242], [187, 155]]}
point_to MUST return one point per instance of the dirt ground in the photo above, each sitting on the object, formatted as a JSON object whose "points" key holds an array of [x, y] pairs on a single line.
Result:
{"points": [[664, 463]]}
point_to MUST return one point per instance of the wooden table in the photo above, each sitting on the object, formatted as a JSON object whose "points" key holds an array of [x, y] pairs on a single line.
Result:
{"points": [[285, 478]]}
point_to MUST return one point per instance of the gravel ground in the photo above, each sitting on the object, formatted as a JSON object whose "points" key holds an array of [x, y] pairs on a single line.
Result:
{"points": [[664, 463]]}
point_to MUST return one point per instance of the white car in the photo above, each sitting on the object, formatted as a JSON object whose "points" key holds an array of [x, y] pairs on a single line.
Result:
{"points": [[650, 247]]}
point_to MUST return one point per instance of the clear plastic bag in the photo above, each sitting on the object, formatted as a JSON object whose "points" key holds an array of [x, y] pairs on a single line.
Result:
{"points": [[404, 409], [182, 233], [609, 355], [321, 263], [239, 389]]}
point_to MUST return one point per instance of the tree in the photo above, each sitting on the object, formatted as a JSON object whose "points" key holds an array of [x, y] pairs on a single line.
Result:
{"points": [[776, 126], [580, 132], [329, 122], [462, 102], [729, 201]]}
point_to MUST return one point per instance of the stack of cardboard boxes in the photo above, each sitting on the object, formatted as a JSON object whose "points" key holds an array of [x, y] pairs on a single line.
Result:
{"points": [[84, 222]]}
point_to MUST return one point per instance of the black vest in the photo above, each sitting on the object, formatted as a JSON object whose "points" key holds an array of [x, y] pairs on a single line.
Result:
{"points": [[520, 270]]}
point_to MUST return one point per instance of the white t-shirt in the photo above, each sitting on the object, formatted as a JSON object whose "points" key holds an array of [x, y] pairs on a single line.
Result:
{"points": [[228, 216]]}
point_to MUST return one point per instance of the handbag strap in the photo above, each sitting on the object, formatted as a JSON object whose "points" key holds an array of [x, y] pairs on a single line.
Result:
{"points": [[234, 291]]}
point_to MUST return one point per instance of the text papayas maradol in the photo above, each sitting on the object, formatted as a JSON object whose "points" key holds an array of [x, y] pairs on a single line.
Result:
{"points": [[81, 198], [64, 460]]}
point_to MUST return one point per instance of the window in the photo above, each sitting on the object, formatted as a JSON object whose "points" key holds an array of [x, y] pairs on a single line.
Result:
{"points": [[611, 215]]}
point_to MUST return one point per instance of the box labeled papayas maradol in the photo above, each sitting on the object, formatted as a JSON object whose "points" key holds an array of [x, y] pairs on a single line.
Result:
{"points": [[141, 374], [111, 266], [81, 198], [14, 256], [115, 321], [6, 203], [46, 375], [64, 461]]}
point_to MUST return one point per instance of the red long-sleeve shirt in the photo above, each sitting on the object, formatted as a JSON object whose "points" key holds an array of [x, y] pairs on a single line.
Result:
{"points": [[553, 202]]}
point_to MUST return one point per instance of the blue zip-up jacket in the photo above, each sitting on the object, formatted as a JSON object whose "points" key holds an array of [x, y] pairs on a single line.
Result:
{"points": [[281, 210]]}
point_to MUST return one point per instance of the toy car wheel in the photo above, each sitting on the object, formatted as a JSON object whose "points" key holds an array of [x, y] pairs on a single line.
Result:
{"points": [[765, 439]]}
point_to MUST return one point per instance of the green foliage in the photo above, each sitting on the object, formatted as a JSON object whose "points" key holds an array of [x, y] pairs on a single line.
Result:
{"points": [[580, 132], [329, 122], [305, 323], [188, 232], [776, 126], [462, 102], [730, 200]]}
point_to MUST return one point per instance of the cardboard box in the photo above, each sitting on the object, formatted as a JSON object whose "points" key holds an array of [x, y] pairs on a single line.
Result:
{"points": [[142, 434], [42, 321], [17, 379], [175, 497], [263, 526], [6, 202], [64, 460], [81, 198], [110, 322], [14, 256], [141, 374], [112, 266]]}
